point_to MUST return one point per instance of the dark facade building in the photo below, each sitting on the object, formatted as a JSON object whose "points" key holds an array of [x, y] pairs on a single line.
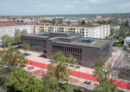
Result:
{"points": [[85, 50]]}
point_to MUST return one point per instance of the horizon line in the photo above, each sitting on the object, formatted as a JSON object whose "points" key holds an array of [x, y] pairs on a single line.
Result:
{"points": [[65, 14]]}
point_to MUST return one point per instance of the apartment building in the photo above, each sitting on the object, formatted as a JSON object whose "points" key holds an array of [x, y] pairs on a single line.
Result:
{"points": [[10, 30], [98, 31]]}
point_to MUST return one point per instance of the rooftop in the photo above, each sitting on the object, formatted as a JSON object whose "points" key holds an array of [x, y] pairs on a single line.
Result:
{"points": [[92, 26], [127, 38], [71, 39], [96, 43]]}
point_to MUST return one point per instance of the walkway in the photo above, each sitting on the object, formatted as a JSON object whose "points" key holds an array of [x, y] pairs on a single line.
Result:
{"points": [[123, 85]]}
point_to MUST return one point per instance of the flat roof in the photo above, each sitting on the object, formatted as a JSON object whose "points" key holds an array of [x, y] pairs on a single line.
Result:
{"points": [[74, 39], [92, 26], [96, 43]]}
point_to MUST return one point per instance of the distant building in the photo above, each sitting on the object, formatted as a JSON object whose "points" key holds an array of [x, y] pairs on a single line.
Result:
{"points": [[98, 31], [26, 20], [74, 24], [115, 27], [10, 30], [98, 16], [4, 19], [127, 41], [85, 50]]}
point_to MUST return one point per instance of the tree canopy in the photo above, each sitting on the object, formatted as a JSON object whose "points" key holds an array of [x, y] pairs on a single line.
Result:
{"points": [[127, 23], [21, 81], [24, 32], [51, 83], [10, 60], [17, 36], [54, 21], [103, 72], [61, 69], [83, 22], [25, 46], [6, 40]]}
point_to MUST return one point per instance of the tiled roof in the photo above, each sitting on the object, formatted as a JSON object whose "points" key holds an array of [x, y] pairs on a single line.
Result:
{"points": [[7, 23]]}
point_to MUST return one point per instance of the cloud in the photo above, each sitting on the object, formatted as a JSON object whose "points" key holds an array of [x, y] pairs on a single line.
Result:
{"points": [[68, 6], [67, 2], [86, 7], [97, 1], [72, 2], [76, 2], [124, 5], [7, 3], [44, 6]]}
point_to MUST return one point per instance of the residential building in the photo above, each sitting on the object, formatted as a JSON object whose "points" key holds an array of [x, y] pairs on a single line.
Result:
{"points": [[115, 27], [10, 30], [98, 31], [26, 20], [85, 50]]}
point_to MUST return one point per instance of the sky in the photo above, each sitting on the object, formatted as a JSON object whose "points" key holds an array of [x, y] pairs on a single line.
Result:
{"points": [[52, 7]]}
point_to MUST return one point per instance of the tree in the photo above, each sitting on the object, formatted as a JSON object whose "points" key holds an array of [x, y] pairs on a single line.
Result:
{"points": [[121, 39], [111, 32], [13, 58], [51, 83], [26, 46], [83, 22], [127, 23], [54, 21], [17, 36], [6, 40], [128, 34], [24, 32], [122, 31], [61, 71], [103, 72], [60, 20], [10, 60], [128, 45], [72, 60], [21, 81], [89, 23], [68, 22]]}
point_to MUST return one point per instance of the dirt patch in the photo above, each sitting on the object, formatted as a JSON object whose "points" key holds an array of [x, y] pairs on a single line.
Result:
{"points": [[39, 73], [73, 80]]}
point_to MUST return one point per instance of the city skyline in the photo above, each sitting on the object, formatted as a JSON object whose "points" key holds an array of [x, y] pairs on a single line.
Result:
{"points": [[49, 7]]}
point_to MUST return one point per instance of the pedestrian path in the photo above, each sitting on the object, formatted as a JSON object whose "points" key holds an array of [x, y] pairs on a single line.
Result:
{"points": [[121, 84]]}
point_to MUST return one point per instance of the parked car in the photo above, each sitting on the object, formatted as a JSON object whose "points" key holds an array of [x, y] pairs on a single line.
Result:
{"points": [[87, 82]]}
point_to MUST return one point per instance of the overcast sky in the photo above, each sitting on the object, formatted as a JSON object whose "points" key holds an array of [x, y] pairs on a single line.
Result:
{"points": [[47, 7]]}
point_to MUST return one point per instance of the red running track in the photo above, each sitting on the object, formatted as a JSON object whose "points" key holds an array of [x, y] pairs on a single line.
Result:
{"points": [[123, 85]]}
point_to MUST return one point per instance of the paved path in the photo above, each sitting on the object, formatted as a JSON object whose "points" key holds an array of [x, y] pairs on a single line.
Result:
{"points": [[123, 85]]}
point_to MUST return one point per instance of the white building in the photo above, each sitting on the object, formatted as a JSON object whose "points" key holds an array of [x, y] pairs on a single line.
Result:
{"points": [[127, 41], [4, 19], [10, 30], [100, 31], [115, 27], [26, 20]]}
